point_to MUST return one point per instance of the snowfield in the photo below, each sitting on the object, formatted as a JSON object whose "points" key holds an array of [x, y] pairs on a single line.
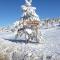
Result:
{"points": [[48, 50]]}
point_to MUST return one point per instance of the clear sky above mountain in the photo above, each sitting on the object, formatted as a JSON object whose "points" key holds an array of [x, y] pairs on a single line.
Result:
{"points": [[10, 10]]}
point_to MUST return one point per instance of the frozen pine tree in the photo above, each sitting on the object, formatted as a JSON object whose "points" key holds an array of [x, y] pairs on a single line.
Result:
{"points": [[29, 24]]}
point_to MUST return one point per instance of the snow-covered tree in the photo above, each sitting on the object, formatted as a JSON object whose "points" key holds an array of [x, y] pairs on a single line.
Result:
{"points": [[29, 11], [29, 15]]}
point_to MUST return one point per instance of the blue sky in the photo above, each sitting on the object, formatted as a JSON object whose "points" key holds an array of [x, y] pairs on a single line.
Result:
{"points": [[10, 10]]}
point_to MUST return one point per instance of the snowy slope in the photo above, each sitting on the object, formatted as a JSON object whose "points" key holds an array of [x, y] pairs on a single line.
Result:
{"points": [[31, 51], [53, 39]]}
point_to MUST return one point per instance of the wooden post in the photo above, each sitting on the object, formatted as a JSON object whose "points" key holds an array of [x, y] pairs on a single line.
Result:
{"points": [[36, 33], [23, 23]]}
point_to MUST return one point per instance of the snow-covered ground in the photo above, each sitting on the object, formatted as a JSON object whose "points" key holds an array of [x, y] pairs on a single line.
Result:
{"points": [[52, 38], [49, 50]]}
